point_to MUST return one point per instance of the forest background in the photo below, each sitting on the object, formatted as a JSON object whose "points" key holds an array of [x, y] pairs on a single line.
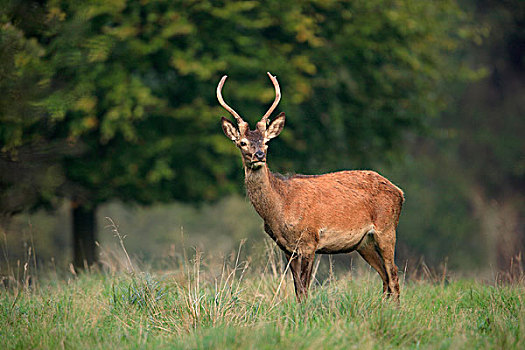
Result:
{"points": [[108, 109]]}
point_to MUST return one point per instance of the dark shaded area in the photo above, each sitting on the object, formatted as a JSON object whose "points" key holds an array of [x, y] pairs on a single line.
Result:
{"points": [[84, 236]]}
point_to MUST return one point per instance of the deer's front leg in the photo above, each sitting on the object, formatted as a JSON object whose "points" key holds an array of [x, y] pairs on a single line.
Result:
{"points": [[307, 264], [301, 267], [294, 262]]}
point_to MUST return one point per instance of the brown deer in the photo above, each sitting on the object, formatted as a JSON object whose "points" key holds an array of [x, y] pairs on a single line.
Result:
{"points": [[307, 214]]}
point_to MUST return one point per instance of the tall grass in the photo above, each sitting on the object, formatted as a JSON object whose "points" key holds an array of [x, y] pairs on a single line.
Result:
{"points": [[250, 303]]}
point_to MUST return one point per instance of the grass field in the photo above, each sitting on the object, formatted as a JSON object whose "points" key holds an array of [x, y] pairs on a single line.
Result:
{"points": [[241, 305]]}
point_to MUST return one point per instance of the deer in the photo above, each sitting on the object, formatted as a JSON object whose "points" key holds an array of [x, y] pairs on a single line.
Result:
{"points": [[332, 213]]}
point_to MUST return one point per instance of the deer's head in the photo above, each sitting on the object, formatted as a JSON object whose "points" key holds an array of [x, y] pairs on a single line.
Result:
{"points": [[252, 143]]}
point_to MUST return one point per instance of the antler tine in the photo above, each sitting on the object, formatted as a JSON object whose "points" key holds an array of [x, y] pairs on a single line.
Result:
{"points": [[264, 120], [241, 123]]}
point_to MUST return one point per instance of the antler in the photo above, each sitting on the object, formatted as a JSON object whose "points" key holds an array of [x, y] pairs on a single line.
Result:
{"points": [[261, 125], [243, 126]]}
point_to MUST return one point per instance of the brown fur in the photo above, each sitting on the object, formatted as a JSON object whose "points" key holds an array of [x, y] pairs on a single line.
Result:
{"points": [[326, 214], [330, 214]]}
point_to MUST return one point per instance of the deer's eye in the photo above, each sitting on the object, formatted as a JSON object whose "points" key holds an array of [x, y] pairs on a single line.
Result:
{"points": [[242, 143]]}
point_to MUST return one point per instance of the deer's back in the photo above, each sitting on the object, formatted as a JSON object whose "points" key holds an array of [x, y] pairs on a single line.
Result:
{"points": [[342, 199]]}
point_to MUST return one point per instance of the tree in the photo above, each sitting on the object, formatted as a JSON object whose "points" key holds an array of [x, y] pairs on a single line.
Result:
{"points": [[29, 174], [131, 87]]}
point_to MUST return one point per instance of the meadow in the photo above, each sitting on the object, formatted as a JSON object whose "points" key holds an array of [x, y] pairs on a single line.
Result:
{"points": [[249, 302]]}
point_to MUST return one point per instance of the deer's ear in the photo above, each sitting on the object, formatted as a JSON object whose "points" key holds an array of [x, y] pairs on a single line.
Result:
{"points": [[230, 130], [275, 127]]}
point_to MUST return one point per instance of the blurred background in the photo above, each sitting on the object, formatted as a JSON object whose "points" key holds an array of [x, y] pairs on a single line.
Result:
{"points": [[108, 109]]}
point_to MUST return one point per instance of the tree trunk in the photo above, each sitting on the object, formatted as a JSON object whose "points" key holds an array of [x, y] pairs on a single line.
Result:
{"points": [[84, 235]]}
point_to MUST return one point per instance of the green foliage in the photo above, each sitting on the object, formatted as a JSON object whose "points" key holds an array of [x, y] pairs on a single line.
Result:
{"points": [[133, 85], [24, 76], [383, 68]]}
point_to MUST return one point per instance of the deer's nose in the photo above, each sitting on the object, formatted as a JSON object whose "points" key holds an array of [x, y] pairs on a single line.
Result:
{"points": [[259, 155]]}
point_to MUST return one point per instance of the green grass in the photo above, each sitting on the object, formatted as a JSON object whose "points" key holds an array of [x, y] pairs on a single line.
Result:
{"points": [[241, 306]]}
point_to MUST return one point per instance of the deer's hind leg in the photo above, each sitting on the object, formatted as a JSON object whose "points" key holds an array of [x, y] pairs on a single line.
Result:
{"points": [[386, 244], [372, 257], [378, 251]]}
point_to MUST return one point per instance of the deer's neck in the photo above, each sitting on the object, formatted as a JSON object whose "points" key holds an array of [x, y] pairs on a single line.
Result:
{"points": [[265, 192]]}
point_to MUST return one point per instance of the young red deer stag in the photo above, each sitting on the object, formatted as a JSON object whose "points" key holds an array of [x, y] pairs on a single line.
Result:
{"points": [[328, 214]]}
